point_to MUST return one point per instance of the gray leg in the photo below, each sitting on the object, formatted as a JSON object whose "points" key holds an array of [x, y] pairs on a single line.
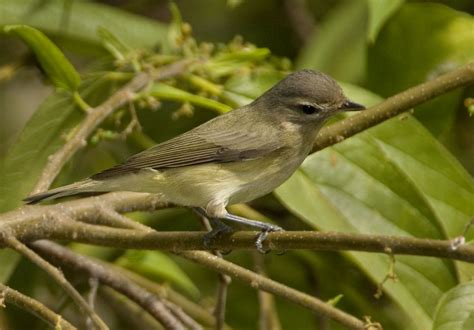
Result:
{"points": [[265, 227], [218, 227]]}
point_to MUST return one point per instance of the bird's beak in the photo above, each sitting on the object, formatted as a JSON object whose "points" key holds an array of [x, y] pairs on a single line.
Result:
{"points": [[351, 106]]}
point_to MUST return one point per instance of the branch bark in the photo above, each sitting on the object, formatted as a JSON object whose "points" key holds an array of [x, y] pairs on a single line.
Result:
{"points": [[148, 301], [11, 296], [462, 76], [280, 241], [194, 310], [262, 283], [222, 284], [268, 316], [57, 276]]}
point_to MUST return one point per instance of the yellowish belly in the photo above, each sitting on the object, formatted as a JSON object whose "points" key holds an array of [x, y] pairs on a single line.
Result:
{"points": [[235, 182]]}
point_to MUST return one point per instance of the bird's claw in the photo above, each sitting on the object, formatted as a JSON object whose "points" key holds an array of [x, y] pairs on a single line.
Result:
{"points": [[263, 235], [214, 233]]}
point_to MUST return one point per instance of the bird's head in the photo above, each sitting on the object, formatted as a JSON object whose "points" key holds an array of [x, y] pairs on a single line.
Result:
{"points": [[306, 96]]}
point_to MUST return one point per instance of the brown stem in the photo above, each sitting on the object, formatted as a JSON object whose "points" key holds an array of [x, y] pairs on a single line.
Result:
{"points": [[194, 310], [268, 316], [187, 321], [129, 314], [463, 76], [151, 303], [58, 276], [222, 286], [280, 241], [11, 296], [262, 283]]}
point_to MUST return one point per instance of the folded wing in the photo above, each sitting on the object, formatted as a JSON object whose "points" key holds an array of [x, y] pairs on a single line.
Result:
{"points": [[193, 148]]}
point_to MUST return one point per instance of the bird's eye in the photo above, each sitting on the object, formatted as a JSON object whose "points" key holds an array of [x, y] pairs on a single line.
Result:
{"points": [[308, 109]]}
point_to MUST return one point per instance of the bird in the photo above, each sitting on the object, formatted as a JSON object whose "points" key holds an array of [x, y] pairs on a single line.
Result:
{"points": [[233, 158]]}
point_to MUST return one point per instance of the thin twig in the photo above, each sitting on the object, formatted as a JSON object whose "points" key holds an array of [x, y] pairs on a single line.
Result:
{"points": [[133, 124], [112, 218], [221, 301], [150, 302], [194, 310], [188, 321], [268, 317], [222, 286], [118, 220], [463, 76], [262, 283], [129, 314], [85, 208], [58, 276], [96, 115], [91, 296], [11, 296]]}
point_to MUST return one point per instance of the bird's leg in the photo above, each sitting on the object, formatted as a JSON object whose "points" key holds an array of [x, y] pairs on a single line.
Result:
{"points": [[263, 226], [216, 210], [218, 227]]}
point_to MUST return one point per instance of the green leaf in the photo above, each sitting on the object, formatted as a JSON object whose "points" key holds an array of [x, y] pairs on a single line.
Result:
{"points": [[379, 12], [52, 60], [420, 42], [242, 89], [159, 267], [42, 135], [80, 22], [455, 310], [115, 47], [382, 182], [339, 46]]}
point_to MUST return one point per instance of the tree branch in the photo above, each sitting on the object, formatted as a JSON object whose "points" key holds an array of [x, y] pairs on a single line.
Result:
{"points": [[194, 310], [11, 296], [282, 241], [58, 276], [128, 313], [222, 285], [262, 283], [148, 301], [185, 319], [463, 76], [268, 316]]}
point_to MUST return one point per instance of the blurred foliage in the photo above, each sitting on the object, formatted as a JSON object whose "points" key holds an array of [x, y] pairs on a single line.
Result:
{"points": [[408, 176], [449, 45], [449, 315], [340, 45]]}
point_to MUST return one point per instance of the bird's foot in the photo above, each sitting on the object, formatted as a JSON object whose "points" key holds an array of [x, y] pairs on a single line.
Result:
{"points": [[263, 235], [218, 229], [263, 226]]}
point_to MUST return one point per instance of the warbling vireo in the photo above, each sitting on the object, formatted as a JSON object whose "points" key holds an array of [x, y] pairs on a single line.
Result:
{"points": [[233, 158]]}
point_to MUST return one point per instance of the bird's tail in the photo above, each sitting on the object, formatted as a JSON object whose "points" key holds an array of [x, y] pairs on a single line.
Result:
{"points": [[86, 186]]}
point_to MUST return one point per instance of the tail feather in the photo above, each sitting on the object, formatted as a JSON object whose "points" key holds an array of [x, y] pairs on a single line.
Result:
{"points": [[69, 190]]}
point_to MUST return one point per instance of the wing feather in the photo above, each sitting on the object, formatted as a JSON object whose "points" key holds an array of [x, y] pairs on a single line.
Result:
{"points": [[195, 147]]}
